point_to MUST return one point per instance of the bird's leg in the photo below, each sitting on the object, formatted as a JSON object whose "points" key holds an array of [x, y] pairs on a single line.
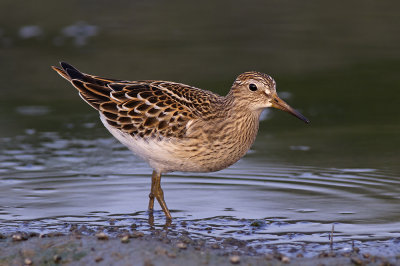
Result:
{"points": [[151, 195], [157, 192]]}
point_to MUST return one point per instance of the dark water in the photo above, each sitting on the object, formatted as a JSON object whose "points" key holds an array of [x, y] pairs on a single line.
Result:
{"points": [[338, 64]]}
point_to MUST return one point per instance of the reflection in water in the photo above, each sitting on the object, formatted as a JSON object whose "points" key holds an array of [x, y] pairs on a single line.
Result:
{"points": [[32, 110], [30, 31], [50, 182], [80, 32]]}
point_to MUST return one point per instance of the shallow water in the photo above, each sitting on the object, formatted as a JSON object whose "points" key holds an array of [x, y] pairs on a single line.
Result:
{"points": [[338, 65], [51, 180]]}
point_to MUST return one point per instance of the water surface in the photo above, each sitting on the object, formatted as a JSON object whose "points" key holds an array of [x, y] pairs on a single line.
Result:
{"points": [[53, 179]]}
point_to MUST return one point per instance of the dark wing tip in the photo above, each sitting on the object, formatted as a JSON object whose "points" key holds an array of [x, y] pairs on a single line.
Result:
{"points": [[74, 74], [71, 71], [65, 65]]}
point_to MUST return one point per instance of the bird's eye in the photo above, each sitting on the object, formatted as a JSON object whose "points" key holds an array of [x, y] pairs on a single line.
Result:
{"points": [[253, 87]]}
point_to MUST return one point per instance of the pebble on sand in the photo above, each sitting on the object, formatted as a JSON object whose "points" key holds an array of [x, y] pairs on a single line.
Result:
{"points": [[57, 258], [181, 245], [17, 237], [285, 259], [102, 236], [125, 239], [235, 259], [28, 261]]}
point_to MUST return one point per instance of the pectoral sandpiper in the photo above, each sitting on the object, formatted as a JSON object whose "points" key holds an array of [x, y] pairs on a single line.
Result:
{"points": [[176, 127]]}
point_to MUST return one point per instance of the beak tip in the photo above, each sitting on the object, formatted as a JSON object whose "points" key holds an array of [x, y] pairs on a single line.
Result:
{"points": [[301, 117], [280, 104]]}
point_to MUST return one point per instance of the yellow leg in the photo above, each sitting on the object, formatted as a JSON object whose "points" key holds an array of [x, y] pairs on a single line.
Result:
{"points": [[157, 192]]}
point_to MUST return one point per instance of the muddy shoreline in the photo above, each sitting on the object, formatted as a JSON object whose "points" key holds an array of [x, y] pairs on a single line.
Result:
{"points": [[162, 247]]}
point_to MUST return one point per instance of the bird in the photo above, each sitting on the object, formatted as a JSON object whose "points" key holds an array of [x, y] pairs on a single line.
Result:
{"points": [[177, 127]]}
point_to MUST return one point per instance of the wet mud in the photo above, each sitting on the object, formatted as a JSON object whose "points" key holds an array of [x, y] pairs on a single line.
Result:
{"points": [[173, 246]]}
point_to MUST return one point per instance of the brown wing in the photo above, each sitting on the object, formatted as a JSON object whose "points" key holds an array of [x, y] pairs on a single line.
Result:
{"points": [[142, 108]]}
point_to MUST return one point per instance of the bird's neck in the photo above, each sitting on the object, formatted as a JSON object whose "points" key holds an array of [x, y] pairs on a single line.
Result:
{"points": [[240, 109], [244, 121]]}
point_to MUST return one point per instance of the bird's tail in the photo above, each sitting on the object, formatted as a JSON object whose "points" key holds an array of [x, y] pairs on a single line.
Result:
{"points": [[92, 89]]}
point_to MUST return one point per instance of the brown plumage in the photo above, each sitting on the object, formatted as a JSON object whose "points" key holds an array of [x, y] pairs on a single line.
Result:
{"points": [[144, 108], [176, 127]]}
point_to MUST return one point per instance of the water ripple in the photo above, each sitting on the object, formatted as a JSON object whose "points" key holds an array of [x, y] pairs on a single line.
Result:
{"points": [[49, 180]]}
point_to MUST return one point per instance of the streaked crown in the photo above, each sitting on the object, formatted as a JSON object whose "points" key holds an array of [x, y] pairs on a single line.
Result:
{"points": [[254, 90]]}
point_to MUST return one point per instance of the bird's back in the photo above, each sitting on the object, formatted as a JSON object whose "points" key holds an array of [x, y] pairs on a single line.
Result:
{"points": [[147, 108]]}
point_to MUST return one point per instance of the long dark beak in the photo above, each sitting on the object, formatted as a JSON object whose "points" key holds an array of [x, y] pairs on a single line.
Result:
{"points": [[282, 105]]}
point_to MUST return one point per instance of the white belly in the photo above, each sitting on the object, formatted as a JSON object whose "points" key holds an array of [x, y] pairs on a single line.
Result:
{"points": [[162, 156]]}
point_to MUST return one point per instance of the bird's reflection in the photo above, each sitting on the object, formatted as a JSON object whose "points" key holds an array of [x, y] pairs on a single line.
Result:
{"points": [[167, 225]]}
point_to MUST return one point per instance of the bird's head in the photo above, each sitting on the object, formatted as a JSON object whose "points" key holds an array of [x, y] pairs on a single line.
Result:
{"points": [[257, 91]]}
